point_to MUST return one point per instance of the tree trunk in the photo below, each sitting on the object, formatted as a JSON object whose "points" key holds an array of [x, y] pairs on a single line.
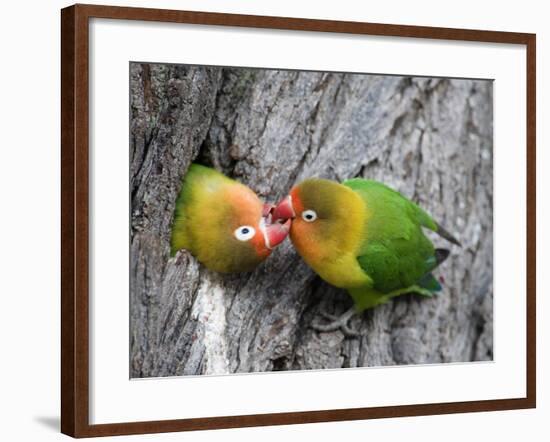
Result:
{"points": [[429, 138]]}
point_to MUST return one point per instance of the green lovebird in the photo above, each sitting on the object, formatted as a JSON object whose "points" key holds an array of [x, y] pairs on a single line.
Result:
{"points": [[364, 237], [223, 223]]}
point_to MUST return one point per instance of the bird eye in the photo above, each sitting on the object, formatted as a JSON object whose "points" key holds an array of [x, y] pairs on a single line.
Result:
{"points": [[244, 233], [309, 216]]}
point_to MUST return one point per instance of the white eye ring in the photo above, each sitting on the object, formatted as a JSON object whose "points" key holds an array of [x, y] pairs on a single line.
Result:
{"points": [[309, 216], [244, 233]]}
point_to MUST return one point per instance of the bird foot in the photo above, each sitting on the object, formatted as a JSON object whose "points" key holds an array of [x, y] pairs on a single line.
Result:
{"points": [[337, 323]]}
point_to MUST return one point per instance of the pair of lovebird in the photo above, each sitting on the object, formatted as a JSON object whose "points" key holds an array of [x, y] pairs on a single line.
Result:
{"points": [[359, 235]]}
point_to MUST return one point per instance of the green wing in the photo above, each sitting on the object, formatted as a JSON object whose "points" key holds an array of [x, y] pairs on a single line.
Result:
{"points": [[396, 253]]}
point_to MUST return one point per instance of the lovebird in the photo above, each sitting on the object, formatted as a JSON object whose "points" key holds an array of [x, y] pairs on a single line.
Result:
{"points": [[365, 237], [223, 223]]}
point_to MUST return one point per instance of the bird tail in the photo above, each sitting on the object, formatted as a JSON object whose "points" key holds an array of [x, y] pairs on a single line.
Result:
{"points": [[427, 221], [444, 233], [428, 281], [440, 256]]}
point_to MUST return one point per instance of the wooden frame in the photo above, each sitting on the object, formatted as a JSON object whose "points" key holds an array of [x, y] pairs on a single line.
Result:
{"points": [[74, 220]]}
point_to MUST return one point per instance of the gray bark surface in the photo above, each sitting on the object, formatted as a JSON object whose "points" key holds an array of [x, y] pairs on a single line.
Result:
{"points": [[429, 138]]}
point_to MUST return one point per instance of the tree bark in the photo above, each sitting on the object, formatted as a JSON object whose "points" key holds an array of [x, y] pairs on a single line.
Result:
{"points": [[429, 138]]}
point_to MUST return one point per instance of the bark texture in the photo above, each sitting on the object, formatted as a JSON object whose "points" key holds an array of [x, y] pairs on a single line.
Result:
{"points": [[429, 138]]}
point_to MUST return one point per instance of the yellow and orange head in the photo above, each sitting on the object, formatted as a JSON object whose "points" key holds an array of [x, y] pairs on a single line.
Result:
{"points": [[242, 226], [223, 223], [327, 219]]}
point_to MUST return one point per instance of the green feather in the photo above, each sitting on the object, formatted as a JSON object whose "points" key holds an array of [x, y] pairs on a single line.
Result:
{"points": [[196, 179], [395, 253], [429, 282]]}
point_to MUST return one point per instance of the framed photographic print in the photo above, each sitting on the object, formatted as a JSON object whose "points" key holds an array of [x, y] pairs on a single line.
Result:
{"points": [[273, 220]]}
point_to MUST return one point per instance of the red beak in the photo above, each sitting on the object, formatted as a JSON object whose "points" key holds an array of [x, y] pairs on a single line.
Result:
{"points": [[275, 234], [266, 210], [284, 210]]}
